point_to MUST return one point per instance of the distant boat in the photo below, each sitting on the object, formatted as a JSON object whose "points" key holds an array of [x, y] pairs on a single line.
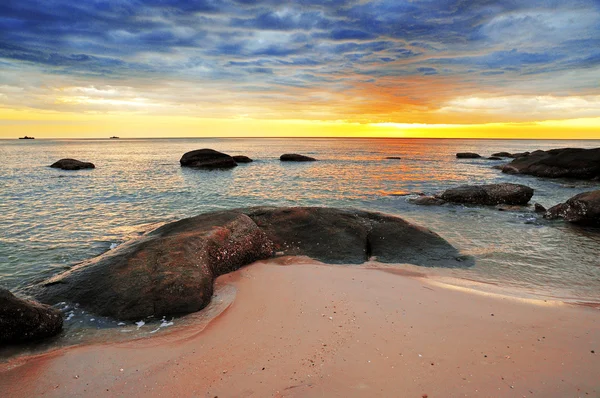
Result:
{"points": [[114, 137], [27, 138]]}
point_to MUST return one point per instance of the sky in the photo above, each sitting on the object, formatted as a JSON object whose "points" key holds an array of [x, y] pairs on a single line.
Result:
{"points": [[399, 68]]}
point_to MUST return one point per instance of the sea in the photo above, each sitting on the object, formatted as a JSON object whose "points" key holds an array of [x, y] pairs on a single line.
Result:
{"points": [[52, 219]]}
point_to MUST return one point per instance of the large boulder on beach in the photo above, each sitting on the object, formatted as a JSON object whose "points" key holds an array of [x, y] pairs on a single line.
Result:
{"points": [[72, 164], [171, 270], [558, 163], [468, 155], [207, 159], [24, 320], [580, 209], [294, 157], [168, 271], [491, 194]]}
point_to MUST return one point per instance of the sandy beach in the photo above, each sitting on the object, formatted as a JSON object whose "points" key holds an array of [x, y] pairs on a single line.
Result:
{"points": [[301, 329]]}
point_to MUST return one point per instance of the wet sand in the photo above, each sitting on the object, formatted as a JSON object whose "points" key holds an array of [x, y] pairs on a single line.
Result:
{"points": [[299, 329]]}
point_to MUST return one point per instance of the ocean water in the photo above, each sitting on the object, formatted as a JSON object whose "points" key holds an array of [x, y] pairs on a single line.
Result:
{"points": [[51, 219]]}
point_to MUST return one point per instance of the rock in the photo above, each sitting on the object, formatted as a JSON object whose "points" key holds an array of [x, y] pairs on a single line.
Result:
{"points": [[293, 157], [467, 155], [207, 159], [538, 208], [556, 163], [24, 320], [580, 209], [393, 158], [519, 155], [171, 270], [492, 194], [494, 158], [501, 154], [72, 164], [168, 271], [242, 159], [427, 201]]}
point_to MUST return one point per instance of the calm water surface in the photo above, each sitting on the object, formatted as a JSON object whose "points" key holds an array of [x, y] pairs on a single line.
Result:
{"points": [[51, 219]]}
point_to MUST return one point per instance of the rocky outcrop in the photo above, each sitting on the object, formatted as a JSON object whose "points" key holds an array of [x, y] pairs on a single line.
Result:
{"points": [[538, 208], [24, 320], [502, 154], [171, 270], [242, 159], [494, 158], [467, 155], [492, 194], [427, 201], [556, 163], [580, 209], [207, 159], [72, 164], [294, 157]]}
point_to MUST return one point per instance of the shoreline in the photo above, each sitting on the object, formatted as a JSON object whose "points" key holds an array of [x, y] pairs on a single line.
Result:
{"points": [[320, 329]]}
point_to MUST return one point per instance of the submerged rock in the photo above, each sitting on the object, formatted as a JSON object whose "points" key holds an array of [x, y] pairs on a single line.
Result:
{"points": [[393, 158], [207, 159], [171, 270], [491, 194], [242, 159], [72, 164], [555, 163], [580, 209], [24, 320], [294, 157], [467, 155]]}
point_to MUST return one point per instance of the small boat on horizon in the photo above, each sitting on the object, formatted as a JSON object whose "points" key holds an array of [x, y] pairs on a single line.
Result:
{"points": [[27, 138], [114, 137]]}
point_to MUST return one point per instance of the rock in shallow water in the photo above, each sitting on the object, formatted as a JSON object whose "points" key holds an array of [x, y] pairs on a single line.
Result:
{"points": [[555, 163], [24, 320], [491, 194], [580, 209], [294, 157], [467, 155], [72, 164], [242, 159], [207, 159], [171, 270]]}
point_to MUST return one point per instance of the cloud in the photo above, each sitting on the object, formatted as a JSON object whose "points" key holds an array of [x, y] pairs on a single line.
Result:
{"points": [[348, 49]]}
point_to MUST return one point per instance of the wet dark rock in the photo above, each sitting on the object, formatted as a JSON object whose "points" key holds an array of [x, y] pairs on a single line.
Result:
{"points": [[495, 158], [467, 155], [427, 201], [502, 154], [171, 270], [24, 320], [294, 157], [393, 158], [242, 159], [580, 209], [558, 163], [538, 208], [72, 164], [207, 159], [492, 194]]}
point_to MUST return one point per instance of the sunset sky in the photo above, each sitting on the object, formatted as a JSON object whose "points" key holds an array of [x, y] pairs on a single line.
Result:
{"points": [[424, 68]]}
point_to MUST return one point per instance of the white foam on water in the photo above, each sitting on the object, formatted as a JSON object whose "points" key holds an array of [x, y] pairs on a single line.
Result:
{"points": [[140, 324]]}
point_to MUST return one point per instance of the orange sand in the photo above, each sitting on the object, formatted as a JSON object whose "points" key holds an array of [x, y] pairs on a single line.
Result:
{"points": [[304, 330]]}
